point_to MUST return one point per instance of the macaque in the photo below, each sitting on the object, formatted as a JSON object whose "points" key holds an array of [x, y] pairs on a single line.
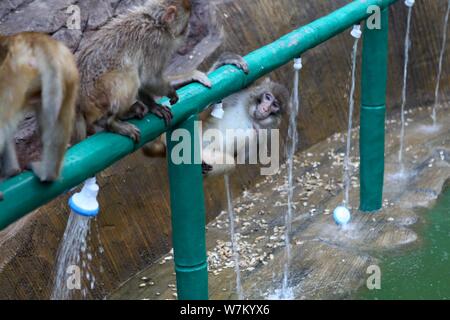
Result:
{"points": [[37, 73], [257, 107], [122, 68]]}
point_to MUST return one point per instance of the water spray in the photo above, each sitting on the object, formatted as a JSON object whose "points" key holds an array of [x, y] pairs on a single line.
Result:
{"points": [[342, 214]]}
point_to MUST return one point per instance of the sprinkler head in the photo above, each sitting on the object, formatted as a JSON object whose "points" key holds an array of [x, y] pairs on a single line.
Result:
{"points": [[218, 111], [341, 215], [85, 202], [298, 64], [356, 31], [409, 3]]}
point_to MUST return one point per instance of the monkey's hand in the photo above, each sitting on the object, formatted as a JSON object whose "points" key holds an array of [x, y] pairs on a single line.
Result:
{"points": [[162, 112], [233, 59], [173, 96], [194, 76], [200, 77], [206, 168]]}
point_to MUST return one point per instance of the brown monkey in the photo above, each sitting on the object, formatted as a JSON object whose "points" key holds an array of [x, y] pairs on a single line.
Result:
{"points": [[37, 73], [122, 67], [258, 107]]}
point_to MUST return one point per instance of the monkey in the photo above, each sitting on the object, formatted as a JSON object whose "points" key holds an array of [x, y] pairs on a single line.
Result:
{"points": [[37, 73], [122, 68], [258, 107]]}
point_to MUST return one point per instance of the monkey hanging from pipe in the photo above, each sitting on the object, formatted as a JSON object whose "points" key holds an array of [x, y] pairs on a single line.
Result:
{"points": [[122, 68], [37, 73], [261, 106]]}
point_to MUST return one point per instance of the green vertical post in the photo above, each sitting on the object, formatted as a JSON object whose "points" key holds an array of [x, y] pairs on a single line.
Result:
{"points": [[187, 203], [373, 114]]}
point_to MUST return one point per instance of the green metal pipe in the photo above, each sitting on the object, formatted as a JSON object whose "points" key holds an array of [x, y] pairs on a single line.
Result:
{"points": [[373, 114], [187, 202], [24, 193]]}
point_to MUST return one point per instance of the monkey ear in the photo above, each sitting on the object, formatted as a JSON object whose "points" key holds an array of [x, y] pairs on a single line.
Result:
{"points": [[170, 14]]}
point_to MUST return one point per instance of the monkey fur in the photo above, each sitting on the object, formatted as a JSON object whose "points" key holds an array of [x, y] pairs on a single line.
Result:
{"points": [[122, 67], [257, 107], [37, 73]]}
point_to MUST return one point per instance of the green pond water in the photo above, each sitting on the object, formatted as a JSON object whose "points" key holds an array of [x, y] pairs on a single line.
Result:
{"points": [[422, 272]]}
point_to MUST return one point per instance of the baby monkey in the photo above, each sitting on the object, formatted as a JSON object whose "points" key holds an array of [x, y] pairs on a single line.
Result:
{"points": [[258, 107], [122, 67], [37, 73]]}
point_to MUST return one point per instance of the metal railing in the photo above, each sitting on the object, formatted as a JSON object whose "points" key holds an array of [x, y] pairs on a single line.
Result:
{"points": [[24, 193]]}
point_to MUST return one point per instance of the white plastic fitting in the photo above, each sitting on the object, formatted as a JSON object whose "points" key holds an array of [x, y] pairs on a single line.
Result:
{"points": [[218, 111], [341, 215], [298, 64], [409, 3], [85, 202], [356, 31]]}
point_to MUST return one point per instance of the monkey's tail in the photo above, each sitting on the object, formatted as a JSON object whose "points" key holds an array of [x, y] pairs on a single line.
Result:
{"points": [[52, 91], [155, 149]]}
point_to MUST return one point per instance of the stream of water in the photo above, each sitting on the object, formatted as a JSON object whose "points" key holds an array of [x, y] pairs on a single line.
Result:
{"points": [[72, 255], [347, 173], [286, 292], [405, 78], [441, 59], [234, 239]]}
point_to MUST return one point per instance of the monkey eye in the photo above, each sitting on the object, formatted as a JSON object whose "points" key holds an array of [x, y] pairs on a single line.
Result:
{"points": [[268, 96], [275, 106]]}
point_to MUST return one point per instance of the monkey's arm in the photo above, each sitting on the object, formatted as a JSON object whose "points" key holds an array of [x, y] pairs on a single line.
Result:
{"points": [[230, 58], [185, 79]]}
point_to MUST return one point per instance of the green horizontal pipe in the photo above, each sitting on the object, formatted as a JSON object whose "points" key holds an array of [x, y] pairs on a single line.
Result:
{"points": [[24, 193], [373, 114], [187, 203]]}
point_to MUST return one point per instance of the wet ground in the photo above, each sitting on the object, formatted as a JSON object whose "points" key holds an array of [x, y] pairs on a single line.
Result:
{"points": [[423, 273], [328, 262]]}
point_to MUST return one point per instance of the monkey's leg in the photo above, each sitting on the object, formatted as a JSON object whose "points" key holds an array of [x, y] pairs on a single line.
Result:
{"points": [[217, 163], [162, 112], [123, 128], [206, 168], [233, 59], [10, 165]]}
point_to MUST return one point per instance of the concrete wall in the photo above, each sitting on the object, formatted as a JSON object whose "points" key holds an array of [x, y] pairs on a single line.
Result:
{"points": [[134, 224]]}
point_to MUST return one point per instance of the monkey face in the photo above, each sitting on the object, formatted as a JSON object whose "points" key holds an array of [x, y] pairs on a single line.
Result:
{"points": [[268, 105]]}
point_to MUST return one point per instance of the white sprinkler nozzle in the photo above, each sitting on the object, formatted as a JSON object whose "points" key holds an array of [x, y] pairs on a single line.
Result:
{"points": [[298, 64], [85, 202], [218, 111], [409, 3], [356, 31], [341, 215]]}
